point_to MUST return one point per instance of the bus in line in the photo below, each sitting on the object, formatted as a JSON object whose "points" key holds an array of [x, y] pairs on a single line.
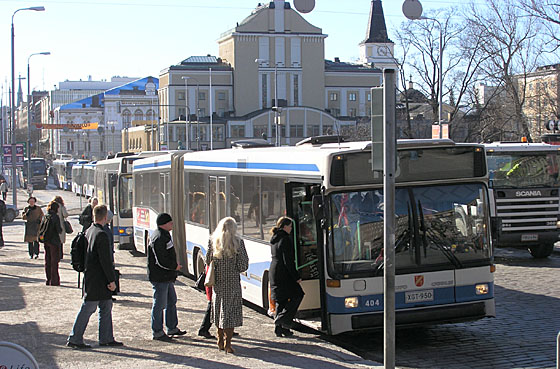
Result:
{"points": [[39, 175], [444, 262], [524, 198], [63, 173]]}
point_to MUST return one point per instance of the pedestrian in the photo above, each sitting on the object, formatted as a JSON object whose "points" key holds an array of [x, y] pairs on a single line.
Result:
{"points": [[62, 216], [162, 273], [52, 244], [285, 281], [109, 233], [4, 189], [229, 258], [2, 215], [86, 218], [32, 214], [99, 282]]}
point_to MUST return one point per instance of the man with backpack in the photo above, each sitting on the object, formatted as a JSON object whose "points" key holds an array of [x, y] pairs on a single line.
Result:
{"points": [[99, 283], [86, 218]]}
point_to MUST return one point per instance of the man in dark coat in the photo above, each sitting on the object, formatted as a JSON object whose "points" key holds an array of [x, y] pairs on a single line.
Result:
{"points": [[86, 218], [162, 272], [99, 282], [3, 211]]}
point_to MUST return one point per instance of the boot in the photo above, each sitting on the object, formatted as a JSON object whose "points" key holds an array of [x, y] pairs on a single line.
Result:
{"points": [[220, 338], [229, 335]]}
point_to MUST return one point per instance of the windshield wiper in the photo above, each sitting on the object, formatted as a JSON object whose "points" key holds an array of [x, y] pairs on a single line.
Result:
{"points": [[436, 241]]}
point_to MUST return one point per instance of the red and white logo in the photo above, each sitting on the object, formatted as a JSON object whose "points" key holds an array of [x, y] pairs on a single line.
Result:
{"points": [[419, 280]]}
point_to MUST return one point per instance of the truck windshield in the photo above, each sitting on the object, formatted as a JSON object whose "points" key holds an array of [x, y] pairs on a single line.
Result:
{"points": [[517, 170], [441, 226]]}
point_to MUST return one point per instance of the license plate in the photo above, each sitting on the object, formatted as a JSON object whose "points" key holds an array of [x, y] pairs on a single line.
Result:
{"points": [[530, 237], [418, 296]]}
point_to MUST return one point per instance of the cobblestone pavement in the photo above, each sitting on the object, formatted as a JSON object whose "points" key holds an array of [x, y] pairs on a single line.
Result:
{"points": [[40, 317], [523, 334]]}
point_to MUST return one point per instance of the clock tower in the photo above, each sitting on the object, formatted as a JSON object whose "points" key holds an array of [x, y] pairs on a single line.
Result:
{"points": [[377, 48]]}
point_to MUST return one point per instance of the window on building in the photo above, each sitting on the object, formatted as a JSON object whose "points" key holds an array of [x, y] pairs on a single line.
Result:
{"points": [[335, 112], [352, 96], [218, 133], [237, 131], [202, 95], [126, 117], [296, 130], [181, 112], [258, 130], [181, 96], [352, 112], [369, 96], [264, 94], [313, 130], [334, 96], [221, 112], [282, 130], [138, 115], [68, 147], [296, 90], [328, 130], [202, 112], [221, 96], [150, 115]]}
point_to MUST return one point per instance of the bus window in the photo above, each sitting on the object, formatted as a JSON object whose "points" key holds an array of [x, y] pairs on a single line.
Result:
{"points": [[125, 196], [304, 232], [252, 218], [197, 192], [273, 203]]}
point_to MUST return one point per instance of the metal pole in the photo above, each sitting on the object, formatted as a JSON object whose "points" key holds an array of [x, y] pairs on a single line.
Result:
{"points": [[187, 118], [28, 125], [440, 79], [390, 144], [276, 125], [197, 117], [211, 113], [13, 123]]}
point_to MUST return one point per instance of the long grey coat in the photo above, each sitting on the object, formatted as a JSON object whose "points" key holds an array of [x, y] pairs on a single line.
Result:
{"points": [[62, 215], [227, 307]]}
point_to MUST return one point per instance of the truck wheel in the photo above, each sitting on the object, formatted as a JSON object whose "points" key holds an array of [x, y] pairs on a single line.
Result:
{"points": [[541, 251], [10, 215]]}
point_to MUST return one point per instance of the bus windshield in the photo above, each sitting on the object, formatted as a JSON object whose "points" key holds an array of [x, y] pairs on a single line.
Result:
{"points": [[513, 170], [125, 196], [436, 226], [38, 168]]}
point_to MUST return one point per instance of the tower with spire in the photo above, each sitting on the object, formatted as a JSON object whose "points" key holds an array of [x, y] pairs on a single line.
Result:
{"points": [[377, 48], [20, 92]]}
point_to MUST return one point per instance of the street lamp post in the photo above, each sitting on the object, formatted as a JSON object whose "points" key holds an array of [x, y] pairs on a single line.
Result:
{"points": [[187, 111], [412, 9], [12, 104], [211, 111], [29, 174]]}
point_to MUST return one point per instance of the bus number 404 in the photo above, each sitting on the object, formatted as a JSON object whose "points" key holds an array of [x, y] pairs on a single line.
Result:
{"points": [[372, 303]]}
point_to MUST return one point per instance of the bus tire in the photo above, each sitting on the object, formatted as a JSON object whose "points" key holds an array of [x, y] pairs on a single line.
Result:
{"points": [[541, 251], [265, 290], [200, 264]]}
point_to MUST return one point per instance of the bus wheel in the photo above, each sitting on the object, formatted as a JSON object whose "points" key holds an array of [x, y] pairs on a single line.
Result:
{"points": [[200, 265], [541, 251]]}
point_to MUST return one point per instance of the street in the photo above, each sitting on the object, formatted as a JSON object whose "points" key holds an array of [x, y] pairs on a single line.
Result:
{"points": [[523, 334]]}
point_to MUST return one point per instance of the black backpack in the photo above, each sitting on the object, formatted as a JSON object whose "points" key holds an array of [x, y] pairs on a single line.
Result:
{"points": [[44, 228], [78, 252]]}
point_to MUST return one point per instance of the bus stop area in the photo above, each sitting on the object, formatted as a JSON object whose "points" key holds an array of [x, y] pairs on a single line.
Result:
{"points": [[40, 317]]}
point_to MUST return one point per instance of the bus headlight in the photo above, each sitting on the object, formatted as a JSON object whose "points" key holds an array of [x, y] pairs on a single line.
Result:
{"points": [[351, 302], [558, 224], [128, 230], [481, 289]]}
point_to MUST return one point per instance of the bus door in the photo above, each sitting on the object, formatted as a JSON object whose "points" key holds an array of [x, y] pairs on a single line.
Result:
{"points": [[300, 208], [217, 200], [111, 201]]}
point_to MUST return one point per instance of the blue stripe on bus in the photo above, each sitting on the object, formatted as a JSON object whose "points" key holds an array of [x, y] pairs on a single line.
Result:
{"points": [[152, 165], [245, 165], [442, 296]]}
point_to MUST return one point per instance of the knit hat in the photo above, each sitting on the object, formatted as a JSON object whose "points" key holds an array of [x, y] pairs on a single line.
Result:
{"points": [[163, 218]]}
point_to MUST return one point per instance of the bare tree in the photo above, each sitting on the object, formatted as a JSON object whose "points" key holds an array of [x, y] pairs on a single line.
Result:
{"points": [[548, 12], [509, 47]]}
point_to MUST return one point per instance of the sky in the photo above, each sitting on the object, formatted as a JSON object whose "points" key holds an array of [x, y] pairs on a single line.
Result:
{"points": [[138, 38]]}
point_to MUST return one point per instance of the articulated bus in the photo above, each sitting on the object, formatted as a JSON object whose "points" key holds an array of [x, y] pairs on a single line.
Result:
{"points": [[113, 187], [444, 270], [524, 195], [63, 171]]}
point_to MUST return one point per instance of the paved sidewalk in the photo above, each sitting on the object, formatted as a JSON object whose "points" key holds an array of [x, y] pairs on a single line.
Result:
{"points": [[39, 318]]}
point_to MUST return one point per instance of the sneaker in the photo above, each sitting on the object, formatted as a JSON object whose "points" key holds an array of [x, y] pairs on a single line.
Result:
{"points": [[112, 343], [164, 338], [206, 334], [177, 332], [79, 346]]}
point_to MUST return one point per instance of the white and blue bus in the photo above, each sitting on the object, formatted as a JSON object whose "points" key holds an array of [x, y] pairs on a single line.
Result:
{"points": [[444, 270], [63, 172], [78, 177], [88, 179]]}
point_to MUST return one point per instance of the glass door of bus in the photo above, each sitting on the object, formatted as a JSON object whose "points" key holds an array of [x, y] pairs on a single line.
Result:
{"points": [[300, 209], [217, 200]]}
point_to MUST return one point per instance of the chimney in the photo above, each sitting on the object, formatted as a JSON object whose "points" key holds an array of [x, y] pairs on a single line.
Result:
{"points": [[336, 59]]}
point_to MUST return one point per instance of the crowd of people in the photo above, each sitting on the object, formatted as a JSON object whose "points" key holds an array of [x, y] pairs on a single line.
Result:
{"points": [[226, 258]]}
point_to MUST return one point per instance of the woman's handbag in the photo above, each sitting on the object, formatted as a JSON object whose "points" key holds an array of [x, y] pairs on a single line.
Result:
{"points": [[210, 276], [200, 281], [68, 227]]}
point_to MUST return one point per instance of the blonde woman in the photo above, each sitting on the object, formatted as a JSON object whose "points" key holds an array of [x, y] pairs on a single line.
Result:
{"points": [[227, 252]]}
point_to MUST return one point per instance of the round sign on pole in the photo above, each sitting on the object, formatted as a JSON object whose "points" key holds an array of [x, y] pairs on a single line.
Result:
{"points": [[15, 356], [412, 9], [304, 6], [551, 125]]}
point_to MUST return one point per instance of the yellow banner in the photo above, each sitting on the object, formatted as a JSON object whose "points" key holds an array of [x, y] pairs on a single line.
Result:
{"points": [[69, 126]]}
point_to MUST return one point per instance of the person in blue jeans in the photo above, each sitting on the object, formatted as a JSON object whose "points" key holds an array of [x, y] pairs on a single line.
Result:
{"points": [[99, 282], [162, 273]]}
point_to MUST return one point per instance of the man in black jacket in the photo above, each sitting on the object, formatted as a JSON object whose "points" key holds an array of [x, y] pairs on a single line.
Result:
{"points": [[86, 218], [99, 282], [162, 272]]}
